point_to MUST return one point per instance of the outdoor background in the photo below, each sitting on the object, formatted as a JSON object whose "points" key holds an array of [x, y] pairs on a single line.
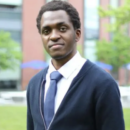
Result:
{"points": [[105, 41]]}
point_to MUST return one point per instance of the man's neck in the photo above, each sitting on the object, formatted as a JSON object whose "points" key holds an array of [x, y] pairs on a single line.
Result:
{"points": [[58, 63]]}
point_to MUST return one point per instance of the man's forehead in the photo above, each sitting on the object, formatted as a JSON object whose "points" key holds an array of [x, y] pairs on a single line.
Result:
{"points": [[55, 15]]}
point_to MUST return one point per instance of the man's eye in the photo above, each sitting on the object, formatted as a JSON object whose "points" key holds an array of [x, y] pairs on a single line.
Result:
{"points": [[63, 29], [45, 31]]}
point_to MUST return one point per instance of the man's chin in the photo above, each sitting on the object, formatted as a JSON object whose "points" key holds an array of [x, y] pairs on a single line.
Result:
{"points": [[58, 57]]}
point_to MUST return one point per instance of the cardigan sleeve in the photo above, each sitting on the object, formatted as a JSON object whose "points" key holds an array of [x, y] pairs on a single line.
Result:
{"points": [[30, 125], [108, 111]]}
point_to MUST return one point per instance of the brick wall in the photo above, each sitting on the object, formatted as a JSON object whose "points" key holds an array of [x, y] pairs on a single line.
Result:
{"points": [[31, 41]]}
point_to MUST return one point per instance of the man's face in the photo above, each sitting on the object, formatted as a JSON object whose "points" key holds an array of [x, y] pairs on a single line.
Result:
{"points": [[58, 34]]}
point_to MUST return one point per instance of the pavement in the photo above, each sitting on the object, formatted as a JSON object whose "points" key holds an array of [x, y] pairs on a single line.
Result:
{"points": [[4, 102], [13, 98], [19, 99]]}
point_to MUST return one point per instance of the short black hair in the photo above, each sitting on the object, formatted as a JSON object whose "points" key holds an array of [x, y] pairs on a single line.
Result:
{"points": [[60, 5]]}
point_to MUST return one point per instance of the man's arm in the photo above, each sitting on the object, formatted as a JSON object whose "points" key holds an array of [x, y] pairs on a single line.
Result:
{"points": [[109, 113], [30, 125]]}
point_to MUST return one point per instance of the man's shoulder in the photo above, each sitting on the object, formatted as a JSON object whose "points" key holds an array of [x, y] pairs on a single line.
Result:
{"points": [[100, 80], [96, 73]]}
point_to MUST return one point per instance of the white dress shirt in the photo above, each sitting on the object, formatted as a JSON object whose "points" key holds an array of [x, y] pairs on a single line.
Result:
{"points": [[69, 71]]}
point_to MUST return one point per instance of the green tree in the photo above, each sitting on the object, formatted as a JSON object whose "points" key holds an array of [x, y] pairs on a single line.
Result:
{"points": [[10, 53], [117, 51]]}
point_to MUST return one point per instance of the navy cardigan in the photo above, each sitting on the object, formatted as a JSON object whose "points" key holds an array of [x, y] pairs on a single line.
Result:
{"points": [[91, 103]]}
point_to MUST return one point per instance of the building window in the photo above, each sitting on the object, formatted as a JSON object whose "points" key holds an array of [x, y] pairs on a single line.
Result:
{"points": [[8, 84], [91, 28], [10, 12], [11, 21], [48, 0], [16, 35], [114, 4], [54, 0]]}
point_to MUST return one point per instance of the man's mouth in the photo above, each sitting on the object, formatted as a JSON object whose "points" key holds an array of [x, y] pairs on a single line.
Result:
{"points": [[57, 45]]}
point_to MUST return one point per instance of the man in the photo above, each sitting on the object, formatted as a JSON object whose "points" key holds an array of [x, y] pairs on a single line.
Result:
{"points": [[72, 93]]}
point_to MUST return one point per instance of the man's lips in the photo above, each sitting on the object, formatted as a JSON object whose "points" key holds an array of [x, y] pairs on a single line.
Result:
{"points": [[56, 45]]}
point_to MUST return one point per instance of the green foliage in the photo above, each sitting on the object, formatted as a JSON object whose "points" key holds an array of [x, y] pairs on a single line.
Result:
{"points": [[79, 48], [120, 14], [10, 52], [47, 56], [117, 51]]}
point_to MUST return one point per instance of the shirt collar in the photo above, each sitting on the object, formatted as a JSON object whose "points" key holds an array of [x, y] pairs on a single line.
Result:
{"points": [[68, 68]]}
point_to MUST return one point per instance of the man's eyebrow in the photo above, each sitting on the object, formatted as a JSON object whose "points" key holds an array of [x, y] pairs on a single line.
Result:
{"points": [[48, 26], [61, 23]]}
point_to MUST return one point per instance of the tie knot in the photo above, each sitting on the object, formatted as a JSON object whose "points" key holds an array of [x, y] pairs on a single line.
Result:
{"points": [[55, 75]]}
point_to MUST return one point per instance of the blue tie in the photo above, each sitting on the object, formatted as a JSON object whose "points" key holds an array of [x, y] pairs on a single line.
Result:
{"points": [[49, 103]]}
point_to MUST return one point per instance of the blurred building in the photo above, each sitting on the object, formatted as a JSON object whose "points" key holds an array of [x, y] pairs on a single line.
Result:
{"points": [[11, 21], [19, 18]]}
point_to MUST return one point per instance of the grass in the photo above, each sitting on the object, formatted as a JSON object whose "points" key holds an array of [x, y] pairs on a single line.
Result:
{"points": [[14, 118], [127, 118]]}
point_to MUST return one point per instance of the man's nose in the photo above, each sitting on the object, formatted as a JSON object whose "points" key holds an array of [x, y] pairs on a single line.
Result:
{"points": [[55, 35]]}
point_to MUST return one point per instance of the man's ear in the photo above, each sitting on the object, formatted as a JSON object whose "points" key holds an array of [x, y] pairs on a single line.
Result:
{"points": [[77, 35]]}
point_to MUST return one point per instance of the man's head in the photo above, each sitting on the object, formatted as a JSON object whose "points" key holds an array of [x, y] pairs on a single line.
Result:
{"points": [[59, 25], [60, 5]]}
